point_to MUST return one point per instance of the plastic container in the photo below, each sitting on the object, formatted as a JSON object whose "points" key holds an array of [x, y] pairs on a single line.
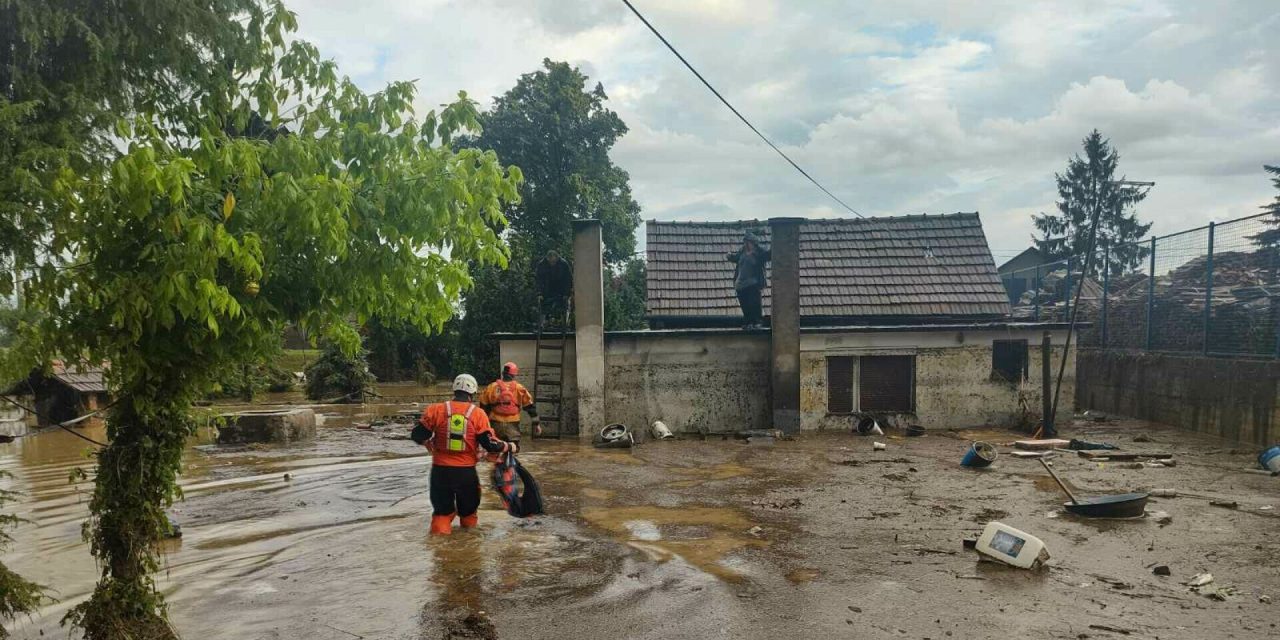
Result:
{"points": [[1270, 459], [660, 431], [980, 454], [1011, 546]]}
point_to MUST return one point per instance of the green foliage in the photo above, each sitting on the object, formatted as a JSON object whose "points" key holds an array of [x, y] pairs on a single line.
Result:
{"points": [[11, 321], [401, 352], [214, 226], [247, 381], [339, 376], [1089, 185], [17, 596], [1271, 236], [624, 296], [560, 133], [297, 359]]}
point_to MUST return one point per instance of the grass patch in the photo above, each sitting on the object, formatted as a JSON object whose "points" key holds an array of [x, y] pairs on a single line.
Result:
{"points": [[298, 359]]}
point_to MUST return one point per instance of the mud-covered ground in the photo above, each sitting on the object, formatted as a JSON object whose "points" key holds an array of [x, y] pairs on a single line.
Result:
{"points": [[821, 537]]}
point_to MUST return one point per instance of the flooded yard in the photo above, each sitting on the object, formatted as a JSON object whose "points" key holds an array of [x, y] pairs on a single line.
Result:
{"points": [[818, 537]]}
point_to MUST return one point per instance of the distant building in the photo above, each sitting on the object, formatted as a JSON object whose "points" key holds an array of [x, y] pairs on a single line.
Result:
{"points": [[1019, 273], [64, 393]]}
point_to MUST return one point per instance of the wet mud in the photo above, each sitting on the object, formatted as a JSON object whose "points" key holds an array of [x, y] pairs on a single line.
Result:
{"points": [[819, 537]]}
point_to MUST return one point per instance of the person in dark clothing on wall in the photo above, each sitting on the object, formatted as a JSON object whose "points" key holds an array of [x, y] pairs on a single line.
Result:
{"points": [[749, 278], [554, 277]]}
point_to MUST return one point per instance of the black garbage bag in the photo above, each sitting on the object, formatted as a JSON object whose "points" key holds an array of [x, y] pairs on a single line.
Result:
{"points": [[518, 488]]}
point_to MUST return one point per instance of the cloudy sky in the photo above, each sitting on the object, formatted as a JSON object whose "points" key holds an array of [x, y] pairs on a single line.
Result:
{"points": [[910, 106]]}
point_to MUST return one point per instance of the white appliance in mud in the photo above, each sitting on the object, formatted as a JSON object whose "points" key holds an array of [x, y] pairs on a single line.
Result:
{"points": [[1011, 546]]}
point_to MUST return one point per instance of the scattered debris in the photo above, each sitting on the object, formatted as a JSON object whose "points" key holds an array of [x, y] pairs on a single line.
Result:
{"points": [[1085, 445], [1264, 599], [1222, 594], [175, 530], [1040, 445], [1162, 518], [1125, 456], [1030, 454], [1011, 546], [1167, 462], [1124, 505], [1163, 493], [1225, 504], [1094, 416], [915, 430], [288, 477], [1162, 570], [896, 477], [980, 454], [1104, 627], [1142, 438], [879, 446], [867, 426], [660, 431], [1199, 580], [793, 503], [756, 531], [1270, 459], [988, 514], [1119, 585]]}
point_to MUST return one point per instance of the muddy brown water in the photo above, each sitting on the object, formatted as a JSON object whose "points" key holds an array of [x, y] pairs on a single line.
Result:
{"points": [[673, 539]]}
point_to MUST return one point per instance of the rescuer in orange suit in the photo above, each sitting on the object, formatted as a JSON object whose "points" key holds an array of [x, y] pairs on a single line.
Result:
{"points": [[455, 431], [503, 399]]}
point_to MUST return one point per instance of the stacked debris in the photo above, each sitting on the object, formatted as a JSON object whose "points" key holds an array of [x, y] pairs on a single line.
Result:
{"points": [[1049, 303], [1244, 302]]}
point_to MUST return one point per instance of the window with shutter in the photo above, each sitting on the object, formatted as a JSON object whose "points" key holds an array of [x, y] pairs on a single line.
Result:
{"points": [[840, 384], [887, 383]]}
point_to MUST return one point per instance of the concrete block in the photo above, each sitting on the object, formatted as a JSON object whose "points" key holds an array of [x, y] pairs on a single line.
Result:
{"points": [[288, 425]]}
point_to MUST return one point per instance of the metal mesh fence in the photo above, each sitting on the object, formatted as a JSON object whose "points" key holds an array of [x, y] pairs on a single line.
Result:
{"points": [[1212, 290]]}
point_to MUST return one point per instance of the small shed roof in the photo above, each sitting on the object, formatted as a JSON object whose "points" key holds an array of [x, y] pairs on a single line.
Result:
{"points": [[82, 379], [907, 266]]}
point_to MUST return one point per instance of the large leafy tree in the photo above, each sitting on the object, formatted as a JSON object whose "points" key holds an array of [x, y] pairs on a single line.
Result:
{"points": [[1090, 185], [624, 296], [283, 194], [558, 129]]}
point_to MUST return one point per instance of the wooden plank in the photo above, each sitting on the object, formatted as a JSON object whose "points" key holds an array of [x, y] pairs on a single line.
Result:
{"points": [[1122, 455], [1039, 445], [1029, 454]]}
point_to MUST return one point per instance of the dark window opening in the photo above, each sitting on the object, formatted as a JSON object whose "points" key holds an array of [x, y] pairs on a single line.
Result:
{"points": [[1009, 361], [840, 384], [887, 383]]}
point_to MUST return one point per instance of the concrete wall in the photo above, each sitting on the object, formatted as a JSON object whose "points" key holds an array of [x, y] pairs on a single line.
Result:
{"points": [[1230, 398], [954, 388]]}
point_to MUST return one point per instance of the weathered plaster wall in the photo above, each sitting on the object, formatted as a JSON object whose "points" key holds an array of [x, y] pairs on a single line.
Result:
{"points": [[954, 388], [1230, 398], [716, 382], [691, 383]]}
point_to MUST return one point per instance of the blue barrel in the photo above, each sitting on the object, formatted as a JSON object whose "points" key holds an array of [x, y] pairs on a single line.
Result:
{"points": [[980, 454], [1270, 459]]}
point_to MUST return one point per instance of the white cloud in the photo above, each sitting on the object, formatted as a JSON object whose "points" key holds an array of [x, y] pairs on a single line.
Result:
{"points": [[897, 107]]}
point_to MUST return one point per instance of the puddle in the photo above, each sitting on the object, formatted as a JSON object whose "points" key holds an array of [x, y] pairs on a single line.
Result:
{"points": [[803, 575], [712, 473], [701, 536]]}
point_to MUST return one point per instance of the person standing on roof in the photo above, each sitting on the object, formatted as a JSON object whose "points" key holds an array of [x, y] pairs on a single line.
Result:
{"points": [[503, 399], [455, 431], [554, 277], [749, 278]]}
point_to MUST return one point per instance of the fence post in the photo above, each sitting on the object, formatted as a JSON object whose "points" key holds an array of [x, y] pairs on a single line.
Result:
{"points": [[1037, 293], [1106, 285], [1151, 292], [1208, 292], [1066, 296]]}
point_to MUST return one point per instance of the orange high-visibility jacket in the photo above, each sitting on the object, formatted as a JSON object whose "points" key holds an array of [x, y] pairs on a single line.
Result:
{"points": [[506, 398], [455, 427]]}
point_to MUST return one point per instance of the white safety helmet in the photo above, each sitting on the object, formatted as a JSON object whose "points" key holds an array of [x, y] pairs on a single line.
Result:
{"points": [[466, 383]]}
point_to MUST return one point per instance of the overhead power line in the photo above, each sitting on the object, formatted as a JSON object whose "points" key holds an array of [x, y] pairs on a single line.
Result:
{"points": [[737, 113]]}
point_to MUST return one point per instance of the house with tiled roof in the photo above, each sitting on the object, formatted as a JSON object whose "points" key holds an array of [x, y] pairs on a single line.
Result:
{"points": [[904, 270], [900, 319]]}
